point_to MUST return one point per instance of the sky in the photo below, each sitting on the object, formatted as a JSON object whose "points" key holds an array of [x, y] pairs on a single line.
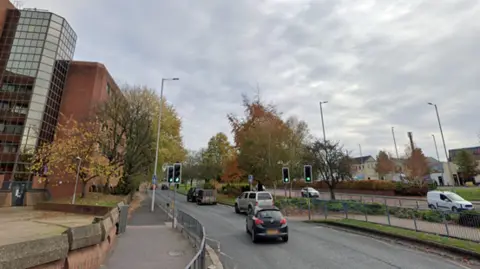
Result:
{"points": [[377, 63]]}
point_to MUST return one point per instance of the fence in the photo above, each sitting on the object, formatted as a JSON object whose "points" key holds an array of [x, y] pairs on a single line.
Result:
{"points": [[194, 230], [464, 225]]}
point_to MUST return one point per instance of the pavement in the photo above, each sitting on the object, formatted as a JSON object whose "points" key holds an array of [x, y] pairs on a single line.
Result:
{"points": [[150, 243], [21, 224], [309, 246]]}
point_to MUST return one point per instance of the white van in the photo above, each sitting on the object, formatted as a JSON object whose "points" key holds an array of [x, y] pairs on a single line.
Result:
{"points": [[447, 201]]}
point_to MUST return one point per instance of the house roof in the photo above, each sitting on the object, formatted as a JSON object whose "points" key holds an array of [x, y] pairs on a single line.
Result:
{"points": [[363, 159]]}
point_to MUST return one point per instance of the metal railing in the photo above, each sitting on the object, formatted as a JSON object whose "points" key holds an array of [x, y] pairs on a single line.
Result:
{"points": [[462, 225], [195, 230]]}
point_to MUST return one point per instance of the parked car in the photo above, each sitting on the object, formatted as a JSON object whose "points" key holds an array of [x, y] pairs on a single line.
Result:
{"points": [[164, 187], [310, 192], [206, 197], [251, 199], [192, 194], [447, 201], [267, 222]]}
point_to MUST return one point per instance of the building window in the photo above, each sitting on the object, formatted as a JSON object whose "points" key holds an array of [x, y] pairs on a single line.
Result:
{"points": [[109, 89]]}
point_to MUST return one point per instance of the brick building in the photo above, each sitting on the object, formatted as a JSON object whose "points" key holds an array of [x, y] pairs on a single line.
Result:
{"points": [[39, 81]]}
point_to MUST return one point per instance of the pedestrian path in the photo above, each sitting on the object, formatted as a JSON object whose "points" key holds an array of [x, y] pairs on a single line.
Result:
{"points": [[149, 243]]}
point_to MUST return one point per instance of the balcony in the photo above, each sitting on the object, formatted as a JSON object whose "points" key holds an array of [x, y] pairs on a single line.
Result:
{"points": [[13, 117], [8, 157], [11, 138]]}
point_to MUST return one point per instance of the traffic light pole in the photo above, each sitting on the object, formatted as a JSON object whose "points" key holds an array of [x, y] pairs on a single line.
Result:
{"points": [[174, 205]]}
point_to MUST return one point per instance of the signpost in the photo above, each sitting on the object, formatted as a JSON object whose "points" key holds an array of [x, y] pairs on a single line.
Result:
{"points": [[250, 181]]}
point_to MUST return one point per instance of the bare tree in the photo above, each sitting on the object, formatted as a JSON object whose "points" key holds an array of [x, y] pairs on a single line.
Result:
{"points": [[331, 161]]}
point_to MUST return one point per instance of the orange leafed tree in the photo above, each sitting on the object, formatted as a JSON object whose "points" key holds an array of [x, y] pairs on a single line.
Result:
{"points": [[75, 148], [232, 172], [416, 164], [384, 164]]}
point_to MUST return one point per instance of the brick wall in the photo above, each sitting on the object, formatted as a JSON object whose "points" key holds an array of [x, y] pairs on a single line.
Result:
{"points": [[5, 198]]}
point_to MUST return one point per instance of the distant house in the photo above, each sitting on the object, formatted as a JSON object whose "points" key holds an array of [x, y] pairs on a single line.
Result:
{"points": [[364, 168]]}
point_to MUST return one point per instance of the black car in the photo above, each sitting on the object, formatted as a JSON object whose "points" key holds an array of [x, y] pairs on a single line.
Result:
{"points": [[268, 223], [192, 194], [164, 187]]}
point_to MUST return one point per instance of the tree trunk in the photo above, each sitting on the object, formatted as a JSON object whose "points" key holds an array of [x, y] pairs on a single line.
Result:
{"points": [[332, 192], [84, 189]]}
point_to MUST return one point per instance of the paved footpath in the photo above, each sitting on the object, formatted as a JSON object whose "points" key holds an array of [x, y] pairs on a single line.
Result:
{"points": [[150, 243]]}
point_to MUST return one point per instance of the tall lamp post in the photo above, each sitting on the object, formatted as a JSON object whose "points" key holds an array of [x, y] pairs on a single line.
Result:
{"points": [[323, 123], [443, 140], [76, 179], [158, 140]]}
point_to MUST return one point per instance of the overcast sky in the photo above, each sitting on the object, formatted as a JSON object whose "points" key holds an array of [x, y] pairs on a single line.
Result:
{"points": [[377, 63]]}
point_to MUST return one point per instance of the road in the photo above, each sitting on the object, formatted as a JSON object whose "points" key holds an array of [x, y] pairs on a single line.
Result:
{"points": [[309, 246]]}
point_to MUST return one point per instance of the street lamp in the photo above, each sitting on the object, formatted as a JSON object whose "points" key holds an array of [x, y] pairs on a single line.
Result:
{"points": [[158, 139], [323, 124], [443, 140], [76, 179]]}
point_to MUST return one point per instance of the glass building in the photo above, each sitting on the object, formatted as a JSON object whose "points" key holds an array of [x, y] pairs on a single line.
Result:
{"points": [[36, 48]]}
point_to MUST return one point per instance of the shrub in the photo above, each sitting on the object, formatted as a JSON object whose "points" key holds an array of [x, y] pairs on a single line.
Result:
{"points": [[470, 219], [411, 189]]}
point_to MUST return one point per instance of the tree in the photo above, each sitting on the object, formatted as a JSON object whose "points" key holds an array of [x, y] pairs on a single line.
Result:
{"points": [[384, 165], [416, 165], [216, 155], [330, 160], [231, 171], [130, 119], [261, 140], [467, 165], [299, 137], [191, 168], [75, 146]]}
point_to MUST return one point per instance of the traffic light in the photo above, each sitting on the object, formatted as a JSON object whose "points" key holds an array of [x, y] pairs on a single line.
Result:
{"points": [[286, 175], [170, 174], [307, 172], [177, 173]]}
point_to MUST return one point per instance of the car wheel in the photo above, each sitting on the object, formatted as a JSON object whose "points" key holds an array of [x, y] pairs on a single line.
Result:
{"points": [[237, 210], [253, 236], [431, 207], [454, 209], [285, 238]]}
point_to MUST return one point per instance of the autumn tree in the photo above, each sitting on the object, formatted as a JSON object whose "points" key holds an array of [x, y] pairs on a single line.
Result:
{"points": [[130, 120], [75, 149], [384, 165], [416, 164], [216, 155], [261, 140], [331, 162], [467, 165], [231, 171]]}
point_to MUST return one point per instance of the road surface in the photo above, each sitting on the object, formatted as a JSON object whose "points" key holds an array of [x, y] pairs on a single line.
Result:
{"points": [[309, 246]]}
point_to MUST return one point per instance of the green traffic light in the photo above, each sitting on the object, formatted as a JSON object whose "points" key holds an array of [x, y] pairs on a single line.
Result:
{"points": [[308, 179]]}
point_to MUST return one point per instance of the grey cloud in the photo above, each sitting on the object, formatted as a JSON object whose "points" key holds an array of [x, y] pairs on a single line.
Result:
{"points": [[378, 65]]}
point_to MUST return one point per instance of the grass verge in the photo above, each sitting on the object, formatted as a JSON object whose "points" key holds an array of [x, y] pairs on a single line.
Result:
{"points": [[92, 198], [425, 237], [468, 193]]}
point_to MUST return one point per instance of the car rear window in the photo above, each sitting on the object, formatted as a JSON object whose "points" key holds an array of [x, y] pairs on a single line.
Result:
{"points": [[209, 193], [264, 196], [269, 214]]}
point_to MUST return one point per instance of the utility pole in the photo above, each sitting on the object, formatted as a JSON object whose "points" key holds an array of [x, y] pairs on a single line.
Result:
{"points": [[395, 143], [323, 123], [361, 159]]}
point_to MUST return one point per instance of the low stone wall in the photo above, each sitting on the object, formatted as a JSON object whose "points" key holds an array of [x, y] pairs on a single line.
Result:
{"points": [[76, 209], [84, 247], [5, 198]]}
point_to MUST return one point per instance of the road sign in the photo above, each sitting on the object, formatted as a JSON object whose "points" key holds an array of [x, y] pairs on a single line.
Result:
{"points": [[250, 179], [154, 179]]}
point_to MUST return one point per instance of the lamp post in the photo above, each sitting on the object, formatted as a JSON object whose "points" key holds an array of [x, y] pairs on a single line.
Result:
{"points": [[158, 140], [76, 179], [443, 140], [323, 123]]}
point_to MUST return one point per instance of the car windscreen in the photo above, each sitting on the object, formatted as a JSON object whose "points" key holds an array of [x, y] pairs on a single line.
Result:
{"points": [[264, 196], [269, 214], [455, 197]]}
